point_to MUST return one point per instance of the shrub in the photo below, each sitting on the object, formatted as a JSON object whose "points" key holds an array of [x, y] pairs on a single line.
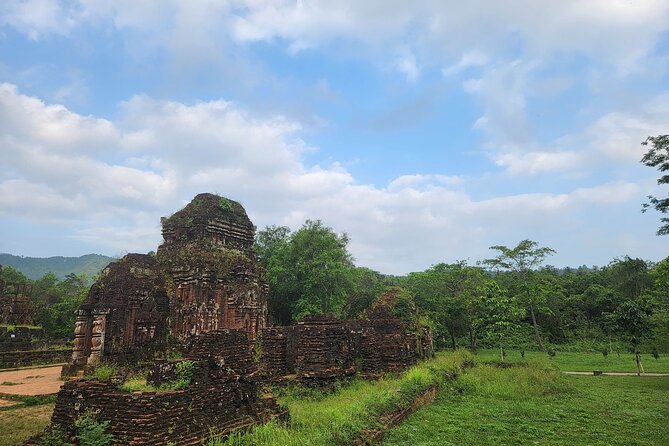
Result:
{"points": [[91, 432], [104, 372], [54, 436]]}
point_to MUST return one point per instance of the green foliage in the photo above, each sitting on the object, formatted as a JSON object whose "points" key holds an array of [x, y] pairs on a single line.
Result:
{"points": [[104, 372], [367, 286], [330, 418], [521, 261], [137, 381], [11, 275], [446, 293], [658, 157], [54, 436], [91, 432], [633, 321], [226, 204], [498, 313], [309, 271], [185, 371]]}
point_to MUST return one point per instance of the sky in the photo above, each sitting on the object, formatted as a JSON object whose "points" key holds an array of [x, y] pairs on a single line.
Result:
{"points": [[427, 131]]}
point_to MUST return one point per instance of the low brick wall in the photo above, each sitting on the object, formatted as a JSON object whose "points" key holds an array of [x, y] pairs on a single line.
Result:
{"points": [[182, 417], [322, 348], [34, 357], [224, 395]]}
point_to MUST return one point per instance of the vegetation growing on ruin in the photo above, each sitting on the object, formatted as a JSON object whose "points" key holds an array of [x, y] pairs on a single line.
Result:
{"points": [[339, 417], [205, 207]]}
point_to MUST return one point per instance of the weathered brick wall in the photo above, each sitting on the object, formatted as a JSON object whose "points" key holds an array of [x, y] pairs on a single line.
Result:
{"points": [[182, 417], [228, 349], [278, 348], [224, 396], [34, 357], [323, 349], [17, 338], [386, 345]]}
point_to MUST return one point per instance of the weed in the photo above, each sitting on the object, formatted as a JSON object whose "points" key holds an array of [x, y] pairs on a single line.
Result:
{"points": [[104, 372], [54, 436], [91, 432]]}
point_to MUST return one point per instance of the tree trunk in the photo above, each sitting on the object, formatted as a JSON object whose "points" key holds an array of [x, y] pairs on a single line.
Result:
{"points": [[637, 356], [453, 343], [537, 335], [472, 339], [501, 350]]}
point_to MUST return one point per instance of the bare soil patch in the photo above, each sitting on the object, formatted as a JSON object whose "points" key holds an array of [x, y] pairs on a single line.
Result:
{"points": [[42, 381]]}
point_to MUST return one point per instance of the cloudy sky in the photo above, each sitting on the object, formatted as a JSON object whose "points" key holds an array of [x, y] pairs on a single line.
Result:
{"points": [[426, 130]]}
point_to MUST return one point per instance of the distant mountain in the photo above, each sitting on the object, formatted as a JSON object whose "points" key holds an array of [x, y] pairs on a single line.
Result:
{"points": [[36, 267]]}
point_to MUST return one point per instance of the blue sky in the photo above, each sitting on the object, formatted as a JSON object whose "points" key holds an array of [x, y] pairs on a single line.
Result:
{"points": [[428, 130]]}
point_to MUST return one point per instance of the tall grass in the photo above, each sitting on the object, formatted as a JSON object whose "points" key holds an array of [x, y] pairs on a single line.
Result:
{"points": [[326, 419]]}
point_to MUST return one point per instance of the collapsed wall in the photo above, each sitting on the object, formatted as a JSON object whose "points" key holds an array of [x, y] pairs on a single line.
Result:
{"points": [[15, 308], [386, 344], [322, 348], [224, 396], [124, 314]]}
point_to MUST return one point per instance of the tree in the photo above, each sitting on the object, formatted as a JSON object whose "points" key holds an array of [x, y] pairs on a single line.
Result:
{"points": [[522, 261], [309, 271], [658, 157], [633, 319], [445, 293], [269, 240], [367, 286], [11, 275], [498, 313]]}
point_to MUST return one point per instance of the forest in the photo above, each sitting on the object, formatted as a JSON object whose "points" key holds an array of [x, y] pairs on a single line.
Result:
{"points": [[512, 299]]}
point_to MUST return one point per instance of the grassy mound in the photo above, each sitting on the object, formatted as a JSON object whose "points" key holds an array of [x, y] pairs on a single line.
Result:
{"points": [[339, 417]]}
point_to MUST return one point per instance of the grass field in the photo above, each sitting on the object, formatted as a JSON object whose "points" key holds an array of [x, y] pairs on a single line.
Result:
{"points": [[19, 424], [583, 362], [527, 405], [530, 402]]}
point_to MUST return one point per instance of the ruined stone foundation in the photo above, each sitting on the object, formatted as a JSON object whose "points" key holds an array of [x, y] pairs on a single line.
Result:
{"points": [[224, 396]]}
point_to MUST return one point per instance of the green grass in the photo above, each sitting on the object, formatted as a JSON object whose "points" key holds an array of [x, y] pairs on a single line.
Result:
{"points": [[583, 362], [529, 405], [326, 419], [19, 424]]}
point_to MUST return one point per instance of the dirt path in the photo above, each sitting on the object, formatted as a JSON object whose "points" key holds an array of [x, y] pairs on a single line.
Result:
{"points": [[40, 381], [616, 374]]}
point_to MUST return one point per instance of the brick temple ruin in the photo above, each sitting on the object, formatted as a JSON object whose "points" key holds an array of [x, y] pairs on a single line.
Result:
{"points": [[224, 396], [320, 349], [204, 293], [204, 277], [15, 308]]}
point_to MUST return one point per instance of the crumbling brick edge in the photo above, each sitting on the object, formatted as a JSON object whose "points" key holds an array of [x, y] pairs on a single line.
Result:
{"points": [[375, 435]]}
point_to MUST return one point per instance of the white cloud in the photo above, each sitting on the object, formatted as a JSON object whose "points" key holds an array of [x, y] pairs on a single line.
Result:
{"points": [[113, 198], [407, 65], [471, 59], [615, 31], [531, 163]]}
